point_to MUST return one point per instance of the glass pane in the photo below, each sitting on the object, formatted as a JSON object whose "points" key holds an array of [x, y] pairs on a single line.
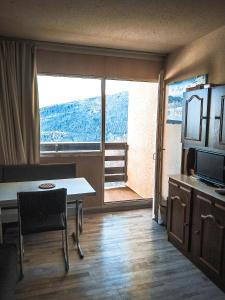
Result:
{"points": [[70, 113]]}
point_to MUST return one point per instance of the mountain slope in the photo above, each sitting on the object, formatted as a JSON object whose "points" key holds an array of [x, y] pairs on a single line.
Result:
{"points": [[80, 120]]}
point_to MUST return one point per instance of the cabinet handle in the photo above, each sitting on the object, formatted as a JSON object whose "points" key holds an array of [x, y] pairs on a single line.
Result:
{"points": [[217, 117], [197, 232], [204, 117], [204, 217], [186, 224]]}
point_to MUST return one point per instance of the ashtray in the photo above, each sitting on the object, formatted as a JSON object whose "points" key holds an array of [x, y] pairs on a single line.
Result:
{"points": [[46, 186]]}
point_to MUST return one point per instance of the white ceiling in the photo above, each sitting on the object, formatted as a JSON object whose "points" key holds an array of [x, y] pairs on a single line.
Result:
{"points": [[143, 25]]}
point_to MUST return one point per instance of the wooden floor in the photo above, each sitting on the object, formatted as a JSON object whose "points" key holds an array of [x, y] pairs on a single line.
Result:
{"points": [[120, 194], [127, 256]]}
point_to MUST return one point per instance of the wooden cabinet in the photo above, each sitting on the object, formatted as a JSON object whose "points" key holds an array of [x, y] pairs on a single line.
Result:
{"points": [[208, 234], [204, 118], [195, 118], [196, 225], [179, 214], [217, 118]]}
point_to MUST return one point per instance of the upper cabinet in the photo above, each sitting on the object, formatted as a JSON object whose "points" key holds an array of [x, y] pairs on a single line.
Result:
{"points": [[217, 118], [195, 118], [204, 118]]}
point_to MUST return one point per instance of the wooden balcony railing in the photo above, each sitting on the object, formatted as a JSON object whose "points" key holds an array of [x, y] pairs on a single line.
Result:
{"points": [[118, 154], [115, 173], [69, 147]]}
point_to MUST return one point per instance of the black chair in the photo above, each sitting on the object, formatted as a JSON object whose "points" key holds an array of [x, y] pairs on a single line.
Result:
{"points": [[40, 212]]}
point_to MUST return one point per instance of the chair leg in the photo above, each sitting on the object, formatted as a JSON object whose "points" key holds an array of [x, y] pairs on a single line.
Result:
{"points": [[66, 251], [21, 255], [23, 246]]}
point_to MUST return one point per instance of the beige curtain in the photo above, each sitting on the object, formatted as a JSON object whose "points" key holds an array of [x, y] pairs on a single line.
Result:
{"points": [[19, 108]]}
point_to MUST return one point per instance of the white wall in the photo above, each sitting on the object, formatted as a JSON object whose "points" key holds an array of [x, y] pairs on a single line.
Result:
{"points": [[172, 153], [203, 56]]}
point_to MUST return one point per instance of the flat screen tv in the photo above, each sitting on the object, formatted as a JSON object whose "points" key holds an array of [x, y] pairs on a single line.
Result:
{"points": [[209, 166]]}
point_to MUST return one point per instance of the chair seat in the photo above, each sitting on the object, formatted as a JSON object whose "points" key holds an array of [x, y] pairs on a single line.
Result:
{"points": [[42, 224]]}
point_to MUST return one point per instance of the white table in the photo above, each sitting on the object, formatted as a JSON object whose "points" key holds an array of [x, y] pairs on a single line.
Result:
{"points": [[76, 189]]}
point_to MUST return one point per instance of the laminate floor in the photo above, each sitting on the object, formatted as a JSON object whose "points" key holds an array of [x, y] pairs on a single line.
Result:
{"points": [[127, 256]]}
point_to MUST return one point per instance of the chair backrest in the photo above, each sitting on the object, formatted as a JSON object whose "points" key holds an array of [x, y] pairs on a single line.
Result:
{"points": [[37, 172], [41, 203]]}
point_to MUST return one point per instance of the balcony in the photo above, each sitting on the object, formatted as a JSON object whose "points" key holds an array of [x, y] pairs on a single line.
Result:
{"points": [[112, 173], [115, 171]]}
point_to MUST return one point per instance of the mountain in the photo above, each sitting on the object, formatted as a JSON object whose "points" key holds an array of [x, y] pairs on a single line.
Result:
{"points": [[80, 120], [175, 99]]}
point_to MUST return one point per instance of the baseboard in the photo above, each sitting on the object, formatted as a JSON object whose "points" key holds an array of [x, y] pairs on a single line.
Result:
{"points": [[120, 206], [11, 215]]}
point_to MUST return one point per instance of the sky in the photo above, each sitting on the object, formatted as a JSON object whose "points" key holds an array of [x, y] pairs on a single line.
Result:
{"points": [[59, 89]]}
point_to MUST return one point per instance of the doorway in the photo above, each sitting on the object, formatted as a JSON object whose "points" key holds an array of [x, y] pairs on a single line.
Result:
{"points": [[130, 136]]}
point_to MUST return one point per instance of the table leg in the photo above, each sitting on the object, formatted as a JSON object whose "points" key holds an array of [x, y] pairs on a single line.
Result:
{"points": [[1, 231], [76, 236]]}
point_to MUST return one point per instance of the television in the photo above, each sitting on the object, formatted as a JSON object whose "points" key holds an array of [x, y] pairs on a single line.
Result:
{"points": [[209, 166]]}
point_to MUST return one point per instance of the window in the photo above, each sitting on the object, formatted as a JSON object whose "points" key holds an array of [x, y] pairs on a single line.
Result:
{"points": [[70, 113]]}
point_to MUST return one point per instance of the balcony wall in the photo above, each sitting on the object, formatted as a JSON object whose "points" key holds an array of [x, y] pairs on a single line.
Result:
{"points": [[142, 113]]}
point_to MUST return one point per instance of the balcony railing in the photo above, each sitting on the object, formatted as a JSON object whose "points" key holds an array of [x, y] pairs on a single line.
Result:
{"points": [[119, 153], [115, 153], [69, 147]]}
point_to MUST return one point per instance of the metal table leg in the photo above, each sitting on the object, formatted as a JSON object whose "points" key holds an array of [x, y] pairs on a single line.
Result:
{"points": [[1, 231], [76, 236]]}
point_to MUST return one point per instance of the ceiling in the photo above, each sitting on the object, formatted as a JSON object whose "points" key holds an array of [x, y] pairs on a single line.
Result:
{"points": [[144, 25]]}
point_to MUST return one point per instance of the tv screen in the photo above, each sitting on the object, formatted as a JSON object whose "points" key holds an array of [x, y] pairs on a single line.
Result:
{"points": [[210, 166]]}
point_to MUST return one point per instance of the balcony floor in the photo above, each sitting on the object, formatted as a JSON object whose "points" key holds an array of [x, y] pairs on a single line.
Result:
{"points": [[116, 194]]}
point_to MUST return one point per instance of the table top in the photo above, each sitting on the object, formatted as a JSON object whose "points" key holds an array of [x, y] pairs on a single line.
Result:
{"points": [[76, 188]]}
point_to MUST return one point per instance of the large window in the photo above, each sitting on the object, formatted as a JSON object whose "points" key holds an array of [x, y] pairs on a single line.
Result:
{"points": [[70, 113]]}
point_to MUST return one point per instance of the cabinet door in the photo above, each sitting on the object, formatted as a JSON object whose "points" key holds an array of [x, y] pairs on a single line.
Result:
{"points": [[179, 214], [195, 118], [217, 120], [211, 234]]}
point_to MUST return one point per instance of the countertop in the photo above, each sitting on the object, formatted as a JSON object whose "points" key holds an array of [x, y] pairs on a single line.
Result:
{"points": [[196, 184]]}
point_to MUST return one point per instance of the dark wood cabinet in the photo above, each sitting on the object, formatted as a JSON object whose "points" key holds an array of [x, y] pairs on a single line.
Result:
{"points": [[195, 118], [217, 118], [204, 118], [209, 227], [196, 225], [179, 214]]}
